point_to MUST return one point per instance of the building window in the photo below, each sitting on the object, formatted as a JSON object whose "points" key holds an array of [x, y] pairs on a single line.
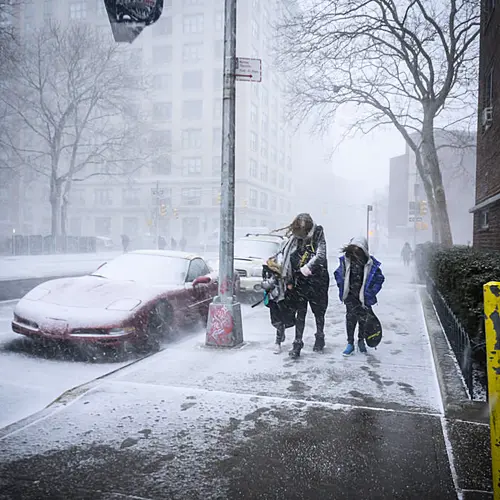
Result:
{"points": [[162, 166], [192, 80], [253, 198], [194, 23], [274, 154], [274, 177], [289, 163], [162, 111], [192, 52], [103, 226], [217, 109], [216, 165], [264, 121], [265, 96], [264, 173], [78, 10], [103, 197], [217, 137], [162, 54], [484, 221], [132, 197], [191, 196], [253, 169], [216, 197], [192, 110], [219, 21], [255, 30], [161, 82], [273, 203], [162, 27], [160, 139], [282, 159], [282, 205], [218, 78], [289, 185], [264, 148], [281, 183], [254, 141], [191, 166], [191, 138], [218, 49], [254, 114], [263, 200], [47, 9]]}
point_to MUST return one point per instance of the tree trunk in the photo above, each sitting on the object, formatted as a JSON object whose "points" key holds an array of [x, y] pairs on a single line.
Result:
{"points": [[65, 207], [55, 197], [431, 165]]}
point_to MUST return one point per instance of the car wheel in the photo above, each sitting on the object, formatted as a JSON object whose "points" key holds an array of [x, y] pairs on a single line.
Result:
{"points": [[159, 326]]}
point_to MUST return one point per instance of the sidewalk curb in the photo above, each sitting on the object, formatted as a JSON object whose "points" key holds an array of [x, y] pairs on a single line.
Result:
{"points": [[65, 399], [456, 402]]}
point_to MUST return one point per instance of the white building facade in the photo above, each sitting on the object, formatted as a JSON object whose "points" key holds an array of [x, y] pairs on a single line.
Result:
{"points": [[181, 57]]}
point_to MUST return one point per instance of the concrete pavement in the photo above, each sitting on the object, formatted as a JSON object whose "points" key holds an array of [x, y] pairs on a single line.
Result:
{"points": [[198, 423]]}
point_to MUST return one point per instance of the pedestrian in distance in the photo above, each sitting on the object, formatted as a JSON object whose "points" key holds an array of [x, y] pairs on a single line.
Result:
{"points": [[406, 254], [162, 243], [183, 244], [305, 273], [173, 243], [359, 278], [125, 242]]}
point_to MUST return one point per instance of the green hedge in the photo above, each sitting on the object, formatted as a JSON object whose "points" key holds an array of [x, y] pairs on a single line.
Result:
{"points": [[459, 274]]}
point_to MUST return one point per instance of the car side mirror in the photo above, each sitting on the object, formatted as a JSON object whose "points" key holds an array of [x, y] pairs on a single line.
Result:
{"points": [[202, 280]]}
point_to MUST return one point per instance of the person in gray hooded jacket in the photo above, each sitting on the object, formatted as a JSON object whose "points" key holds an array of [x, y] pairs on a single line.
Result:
{"points": [[359, 279]]}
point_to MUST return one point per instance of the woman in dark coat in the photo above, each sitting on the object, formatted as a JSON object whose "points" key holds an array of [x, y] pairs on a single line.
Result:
{"points": [[305, 271]]}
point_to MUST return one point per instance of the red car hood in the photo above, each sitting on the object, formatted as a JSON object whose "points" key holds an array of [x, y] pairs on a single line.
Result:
{"points": [[95, 292]]}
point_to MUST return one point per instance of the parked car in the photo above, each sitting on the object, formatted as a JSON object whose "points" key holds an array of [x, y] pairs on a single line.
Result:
{"points": [[138, 298], [250, 253]]}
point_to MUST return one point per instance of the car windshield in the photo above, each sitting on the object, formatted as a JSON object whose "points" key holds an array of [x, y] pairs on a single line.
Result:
{"points": [[255, 248], [146, 268]]}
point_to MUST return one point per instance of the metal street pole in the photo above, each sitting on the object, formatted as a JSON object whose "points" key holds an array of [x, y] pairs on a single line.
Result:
{"points": [[224, 320], [369, 208]]}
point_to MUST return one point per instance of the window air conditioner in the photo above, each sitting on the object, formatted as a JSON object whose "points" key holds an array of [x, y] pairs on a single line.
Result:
{"points": [[487, 117]]}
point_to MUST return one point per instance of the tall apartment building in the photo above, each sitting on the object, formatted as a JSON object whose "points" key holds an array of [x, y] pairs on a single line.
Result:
{"points": [[457, 157], [182, 56], [487, 207]]}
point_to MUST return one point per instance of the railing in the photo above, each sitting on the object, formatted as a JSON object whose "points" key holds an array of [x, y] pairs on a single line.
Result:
{"points": [[455, 333]]}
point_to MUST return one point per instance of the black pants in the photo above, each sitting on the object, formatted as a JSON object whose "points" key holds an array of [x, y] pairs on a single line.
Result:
{"points": [[315, 294], [356, 314]]}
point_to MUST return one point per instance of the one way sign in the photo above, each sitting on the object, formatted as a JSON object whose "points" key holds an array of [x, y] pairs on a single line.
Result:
{"points": [[248, 70]]}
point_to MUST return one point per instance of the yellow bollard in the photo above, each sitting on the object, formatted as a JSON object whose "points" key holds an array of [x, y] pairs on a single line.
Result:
{"points": [[492, 331]]}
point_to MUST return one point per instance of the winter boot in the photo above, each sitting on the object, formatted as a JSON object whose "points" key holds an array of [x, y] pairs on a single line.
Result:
{"points": [[297, 347], [361, 346], [349, 350], [319, 343]]}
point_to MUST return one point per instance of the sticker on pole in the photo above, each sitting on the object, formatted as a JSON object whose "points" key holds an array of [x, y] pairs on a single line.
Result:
{"points": [[248, 70]]}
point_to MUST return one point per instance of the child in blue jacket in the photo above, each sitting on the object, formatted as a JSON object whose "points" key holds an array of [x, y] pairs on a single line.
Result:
{"points": [[359, 279]]}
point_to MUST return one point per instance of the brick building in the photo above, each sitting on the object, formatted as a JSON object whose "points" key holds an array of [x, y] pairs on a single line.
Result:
{"points": [[487, 208]]}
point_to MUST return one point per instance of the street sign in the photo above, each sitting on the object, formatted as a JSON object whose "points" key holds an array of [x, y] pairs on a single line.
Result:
{"points": [[157, 192], [248, 70], [414, 219]]}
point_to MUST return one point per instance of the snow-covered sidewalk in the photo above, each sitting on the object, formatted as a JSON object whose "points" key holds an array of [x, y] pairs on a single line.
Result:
{"points": [[46, 266], [193, 422]]}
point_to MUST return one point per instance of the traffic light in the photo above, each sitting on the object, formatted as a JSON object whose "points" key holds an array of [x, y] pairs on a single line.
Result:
{"points": [[423, 207], [163, 209], [245, 203], [176, 213], [218, 198]]}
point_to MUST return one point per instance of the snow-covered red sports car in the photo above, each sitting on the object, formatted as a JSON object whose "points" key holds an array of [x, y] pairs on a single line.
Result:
{"points": [[138, 298]]}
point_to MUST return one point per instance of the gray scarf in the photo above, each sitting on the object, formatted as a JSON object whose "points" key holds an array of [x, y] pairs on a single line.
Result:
{"points": [[290, 247]]}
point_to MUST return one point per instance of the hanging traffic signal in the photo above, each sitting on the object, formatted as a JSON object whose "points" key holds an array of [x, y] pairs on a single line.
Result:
{"points": [[163, 209], [423, 207], [129, 18], [176, 213], [219, 198]]}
